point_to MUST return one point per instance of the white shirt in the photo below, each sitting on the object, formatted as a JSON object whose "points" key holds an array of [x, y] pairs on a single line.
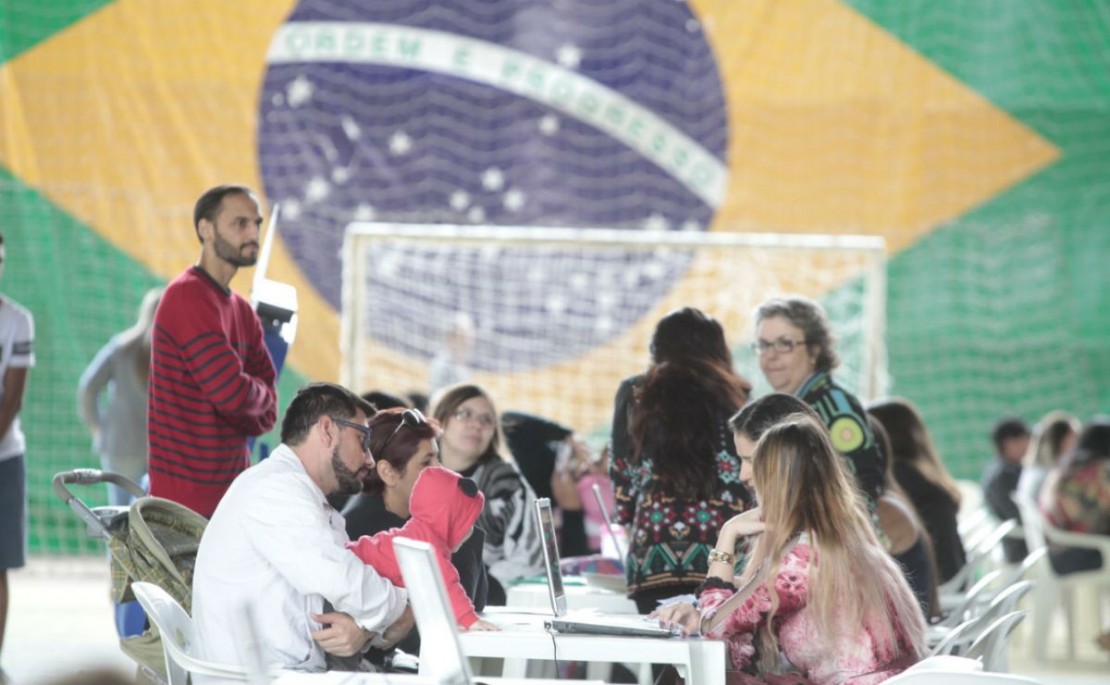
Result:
{"points": [[17, 339], [275, 543]]}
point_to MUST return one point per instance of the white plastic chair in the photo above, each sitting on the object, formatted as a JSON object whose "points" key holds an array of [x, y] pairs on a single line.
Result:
{"points": [[979, 549], [947, 663], [1054, 590], [954, 641], [937, 677], [176, 628], [990, 646], [979, 594], [959, 640]]}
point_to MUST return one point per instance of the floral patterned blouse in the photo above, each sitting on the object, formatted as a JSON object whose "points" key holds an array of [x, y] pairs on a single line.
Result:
{"points": [[671, 536], [851, 657], [1082, 499]]}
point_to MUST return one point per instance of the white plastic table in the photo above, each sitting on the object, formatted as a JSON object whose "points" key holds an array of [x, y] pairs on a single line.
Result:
{"points": [[523, 638]]}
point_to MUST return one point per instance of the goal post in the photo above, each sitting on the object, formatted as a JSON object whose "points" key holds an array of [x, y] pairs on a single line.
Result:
{"points": [[561, 315]]}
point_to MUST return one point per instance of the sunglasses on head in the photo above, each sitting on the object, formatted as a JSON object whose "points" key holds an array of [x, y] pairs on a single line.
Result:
{"points": [[411, 418]]}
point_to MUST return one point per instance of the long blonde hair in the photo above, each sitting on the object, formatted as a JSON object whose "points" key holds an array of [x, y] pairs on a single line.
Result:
{"points": [[804, 488], [1046, 447]]}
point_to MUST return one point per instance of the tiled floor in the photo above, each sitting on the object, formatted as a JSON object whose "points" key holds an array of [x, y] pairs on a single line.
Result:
{"points": [[61, 623]]}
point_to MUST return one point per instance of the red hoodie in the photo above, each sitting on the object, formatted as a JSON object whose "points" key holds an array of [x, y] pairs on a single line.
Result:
{"points": [[444, 508]]}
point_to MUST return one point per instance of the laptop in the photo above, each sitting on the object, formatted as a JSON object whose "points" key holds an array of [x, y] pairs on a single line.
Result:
{"points": [[581, 622]]}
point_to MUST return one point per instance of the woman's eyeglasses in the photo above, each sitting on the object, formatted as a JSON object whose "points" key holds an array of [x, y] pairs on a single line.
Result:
{"points": [[411, 418], [483, 420], [780, 346], [365, 430]]}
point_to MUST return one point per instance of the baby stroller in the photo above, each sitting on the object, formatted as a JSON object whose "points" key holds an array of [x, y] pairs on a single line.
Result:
{"points": [[154, 540]]}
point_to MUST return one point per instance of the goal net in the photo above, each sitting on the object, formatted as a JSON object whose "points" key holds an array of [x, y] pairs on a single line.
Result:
{"points": [[560, 316]]}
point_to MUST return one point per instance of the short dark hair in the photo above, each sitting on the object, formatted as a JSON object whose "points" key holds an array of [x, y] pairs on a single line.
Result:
{"points": [[315, 400], [1, 237], [210, 203], [757, 417], [1008, 428]]}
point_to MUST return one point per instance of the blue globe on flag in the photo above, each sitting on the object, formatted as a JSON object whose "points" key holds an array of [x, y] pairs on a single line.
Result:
{"points": [[504, 113]]}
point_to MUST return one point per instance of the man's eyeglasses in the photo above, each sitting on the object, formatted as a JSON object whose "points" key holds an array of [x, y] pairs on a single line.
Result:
{"points": [[780, 346], [365, 430], [411, 418], [483, 420]]}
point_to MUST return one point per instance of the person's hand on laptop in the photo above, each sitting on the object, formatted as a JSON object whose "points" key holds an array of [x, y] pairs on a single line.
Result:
{"points": [[682, 615], [482, 624], [341, 635]]}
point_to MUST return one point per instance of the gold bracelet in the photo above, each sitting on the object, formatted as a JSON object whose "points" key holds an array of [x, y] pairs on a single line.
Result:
{"points": [[723, 557]]}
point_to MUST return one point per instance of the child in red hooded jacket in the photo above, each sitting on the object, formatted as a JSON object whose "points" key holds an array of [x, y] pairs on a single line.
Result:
{"points": [[444, 508]]}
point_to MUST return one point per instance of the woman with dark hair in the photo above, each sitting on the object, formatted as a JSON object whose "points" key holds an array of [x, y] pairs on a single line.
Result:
{"points": [[471, 446], [906, 538], [921, 473], [797, 355], [674, 468], [403, 444], [1080, 497]]}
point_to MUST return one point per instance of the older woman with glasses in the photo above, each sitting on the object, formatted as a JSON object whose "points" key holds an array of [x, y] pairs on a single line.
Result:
{"points": [[471, 445], [796, 350], [403, 443]]}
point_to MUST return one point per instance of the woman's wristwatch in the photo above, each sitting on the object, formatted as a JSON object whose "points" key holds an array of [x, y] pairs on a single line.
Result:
{"points": [[723, 557]]}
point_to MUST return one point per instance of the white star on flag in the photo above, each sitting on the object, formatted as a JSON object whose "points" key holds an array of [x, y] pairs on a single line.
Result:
{"points": [[351, 128], [400, 143], [493, 179], [317, 189], [299, 91], [549, 124], [460, 200], [569, 55], [365, 212], [656, 222], [514, 199]]}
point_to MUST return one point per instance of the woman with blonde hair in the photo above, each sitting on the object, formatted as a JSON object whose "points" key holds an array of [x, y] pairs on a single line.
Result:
{"points": [[820, 599], [922, 475], [1054, 436], [118, 420]]}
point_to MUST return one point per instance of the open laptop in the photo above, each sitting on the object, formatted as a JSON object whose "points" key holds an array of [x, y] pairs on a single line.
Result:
{"points": [[592, 622]]}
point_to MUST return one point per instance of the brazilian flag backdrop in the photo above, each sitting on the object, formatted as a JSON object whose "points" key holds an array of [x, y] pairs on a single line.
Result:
{"points": [[973, 136]]}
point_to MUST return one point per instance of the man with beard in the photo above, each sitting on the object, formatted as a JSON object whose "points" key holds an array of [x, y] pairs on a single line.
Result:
{"points": [[212, 379], [275, 546]]}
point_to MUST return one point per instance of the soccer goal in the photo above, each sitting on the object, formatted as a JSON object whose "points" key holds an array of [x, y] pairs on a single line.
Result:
{"points": [[557, 317]]}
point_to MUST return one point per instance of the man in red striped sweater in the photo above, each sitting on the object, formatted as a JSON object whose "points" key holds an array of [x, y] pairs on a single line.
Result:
{"points": [[211, 378]]}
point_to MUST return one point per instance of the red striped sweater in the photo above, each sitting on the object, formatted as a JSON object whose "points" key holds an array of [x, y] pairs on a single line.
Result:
{"points": [[211, 386]]}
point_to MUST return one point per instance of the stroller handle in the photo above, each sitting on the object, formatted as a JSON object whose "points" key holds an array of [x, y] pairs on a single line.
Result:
{"points": [[95, 523]]}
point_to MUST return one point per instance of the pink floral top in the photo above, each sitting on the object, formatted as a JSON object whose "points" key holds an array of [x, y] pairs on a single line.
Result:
{"points": [[855, 659]]}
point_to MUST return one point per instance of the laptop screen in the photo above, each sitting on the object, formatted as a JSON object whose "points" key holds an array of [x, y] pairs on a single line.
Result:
{"points": [[555, 588], [434, 618]]}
